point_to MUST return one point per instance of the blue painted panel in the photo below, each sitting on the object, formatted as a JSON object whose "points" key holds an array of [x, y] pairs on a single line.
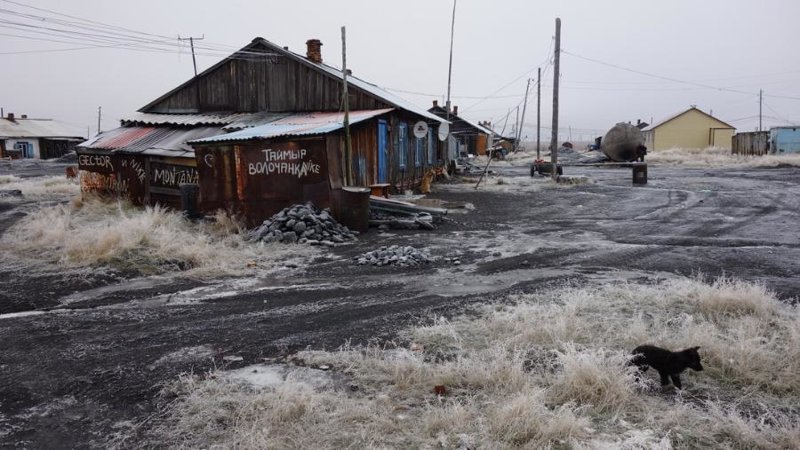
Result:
{"points": [[431, 155], [785, 140], [383, 152], [402, 145]]}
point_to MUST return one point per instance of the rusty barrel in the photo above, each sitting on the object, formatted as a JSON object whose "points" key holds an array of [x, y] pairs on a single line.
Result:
{"points": [[354, 208]]}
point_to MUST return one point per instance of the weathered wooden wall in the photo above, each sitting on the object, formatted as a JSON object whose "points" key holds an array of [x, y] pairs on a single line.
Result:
{"points": [[750, 143], [270, 83]]}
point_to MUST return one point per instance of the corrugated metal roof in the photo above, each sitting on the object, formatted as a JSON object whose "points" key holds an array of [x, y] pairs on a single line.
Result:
{"points": [[306, 124], [181, 119], [159, 141], [39, 128], [231, 121], [376, 91]]}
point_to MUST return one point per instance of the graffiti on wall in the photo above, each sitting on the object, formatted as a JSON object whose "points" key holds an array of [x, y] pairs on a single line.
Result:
{"points": [[94, 162], [284, 162], [103, 183], [136, 166], [172, 176]]}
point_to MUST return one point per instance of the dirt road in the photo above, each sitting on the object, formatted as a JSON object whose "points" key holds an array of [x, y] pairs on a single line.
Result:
{"points": [[80, 372]]}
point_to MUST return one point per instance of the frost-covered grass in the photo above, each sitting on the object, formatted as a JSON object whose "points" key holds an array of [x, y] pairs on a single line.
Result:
{"points": [[96, 233], [545, 370], [718, 157], [513, 185], [41, 188]]}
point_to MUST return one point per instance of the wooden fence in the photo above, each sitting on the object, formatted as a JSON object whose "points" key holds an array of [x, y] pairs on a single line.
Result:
{"points": [[751, 143]]}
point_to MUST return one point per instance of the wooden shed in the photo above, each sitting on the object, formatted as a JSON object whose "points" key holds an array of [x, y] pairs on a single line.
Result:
{"points": [[261, 85]]}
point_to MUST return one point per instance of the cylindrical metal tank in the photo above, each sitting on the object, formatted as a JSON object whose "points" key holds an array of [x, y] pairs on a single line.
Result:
{"points": [[623, 142]]}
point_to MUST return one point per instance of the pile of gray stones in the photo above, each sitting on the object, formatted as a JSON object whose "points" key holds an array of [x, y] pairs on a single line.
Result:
{"points": [[394, 255], [303, 224]]}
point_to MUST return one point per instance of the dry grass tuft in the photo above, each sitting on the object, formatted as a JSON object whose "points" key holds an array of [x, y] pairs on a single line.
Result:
{"points": [[549, 370], [94, 233], [41, 188], [718, 157]]}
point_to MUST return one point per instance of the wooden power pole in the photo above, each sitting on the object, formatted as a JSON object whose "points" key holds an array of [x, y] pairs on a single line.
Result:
{"points": [[538, 110], [348, 149], [760, 101], [450, 66], [556, 75], [191, 44], [522, 121]]}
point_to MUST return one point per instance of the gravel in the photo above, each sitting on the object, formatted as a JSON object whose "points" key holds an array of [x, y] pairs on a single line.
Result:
{"points": [[303, 224], [394, 255]]}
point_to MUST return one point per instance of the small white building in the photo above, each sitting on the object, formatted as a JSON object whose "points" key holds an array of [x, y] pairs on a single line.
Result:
{"points": [[36, 138]]}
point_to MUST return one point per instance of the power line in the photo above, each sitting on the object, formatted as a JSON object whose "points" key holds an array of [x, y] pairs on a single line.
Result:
{"points": [[674, 80]]}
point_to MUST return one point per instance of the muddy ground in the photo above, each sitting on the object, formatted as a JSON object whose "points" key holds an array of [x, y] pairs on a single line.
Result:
{"points": [[82, 360]]}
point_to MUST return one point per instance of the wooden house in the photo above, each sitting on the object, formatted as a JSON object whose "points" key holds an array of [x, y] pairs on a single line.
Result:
{"points": [[470, 138], [260, 108], [689, 129], [24, 138]]}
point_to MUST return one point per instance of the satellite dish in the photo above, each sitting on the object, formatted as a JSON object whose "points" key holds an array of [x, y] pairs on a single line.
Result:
{"points": [[444, 130], [420, 129]]}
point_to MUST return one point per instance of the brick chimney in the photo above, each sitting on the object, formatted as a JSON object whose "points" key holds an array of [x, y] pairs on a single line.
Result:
{"points": [[11, 116], [436, 103], [455, 110], [314, 50]]}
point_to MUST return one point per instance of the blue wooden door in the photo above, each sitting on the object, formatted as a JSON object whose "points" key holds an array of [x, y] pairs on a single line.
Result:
{"points": [[383, 152]]}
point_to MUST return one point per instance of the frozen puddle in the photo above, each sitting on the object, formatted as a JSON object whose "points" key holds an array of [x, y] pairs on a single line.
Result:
{"points": [[272, 376]]}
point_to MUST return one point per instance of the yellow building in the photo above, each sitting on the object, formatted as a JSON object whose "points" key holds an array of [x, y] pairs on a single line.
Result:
{"points": [[690, 129]]}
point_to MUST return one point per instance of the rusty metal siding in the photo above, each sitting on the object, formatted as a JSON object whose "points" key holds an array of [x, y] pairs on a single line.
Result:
{"points": [[217, 178], [121, 176], [261, 178]]}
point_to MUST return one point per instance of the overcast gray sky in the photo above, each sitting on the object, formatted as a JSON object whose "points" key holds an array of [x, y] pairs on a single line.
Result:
{"points": [[723, 51]]}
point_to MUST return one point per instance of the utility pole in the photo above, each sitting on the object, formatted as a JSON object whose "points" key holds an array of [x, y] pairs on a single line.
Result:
{"points": [[191, 44], [538, 110], [99, 114], [516, 127], [348, 150], [450, 68], [556, 75], [522, 122], [760, 101]]}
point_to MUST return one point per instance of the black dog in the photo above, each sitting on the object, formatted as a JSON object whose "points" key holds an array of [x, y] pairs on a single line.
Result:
{"points": [[668, 364]]}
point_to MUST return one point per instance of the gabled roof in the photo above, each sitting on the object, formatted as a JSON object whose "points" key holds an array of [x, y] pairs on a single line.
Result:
{"points": [[675, 116], [39, 128], [305, 124], [442, 113], [256, 46]]}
